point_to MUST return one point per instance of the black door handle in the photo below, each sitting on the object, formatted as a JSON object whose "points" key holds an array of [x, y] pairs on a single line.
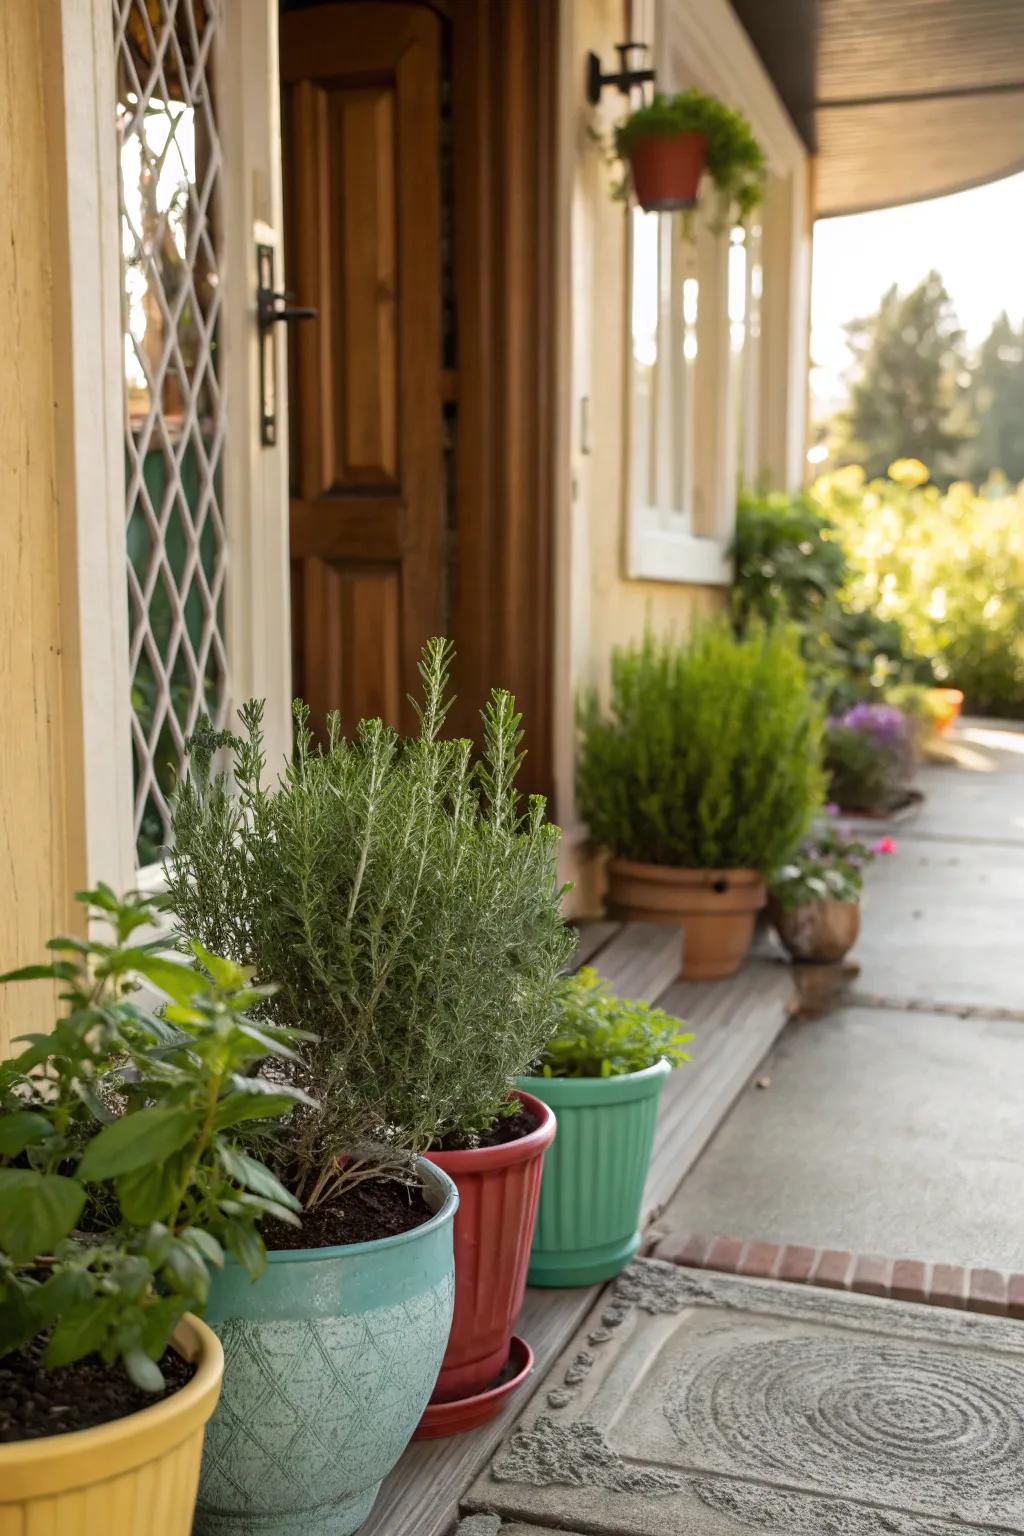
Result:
{"points": [[273, 308]]}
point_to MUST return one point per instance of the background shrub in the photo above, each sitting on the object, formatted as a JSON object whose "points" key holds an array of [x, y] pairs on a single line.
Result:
{"points": [[791, 566], [947, 567], [708, 753]]}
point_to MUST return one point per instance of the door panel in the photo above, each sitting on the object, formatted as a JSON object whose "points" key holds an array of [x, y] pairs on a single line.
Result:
{"points": [[362, 167]]}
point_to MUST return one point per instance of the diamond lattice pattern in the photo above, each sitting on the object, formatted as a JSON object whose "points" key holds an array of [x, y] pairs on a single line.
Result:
{"points": [[169, 183]]}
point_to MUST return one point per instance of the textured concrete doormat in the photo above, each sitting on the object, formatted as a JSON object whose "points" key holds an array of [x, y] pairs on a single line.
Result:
{"points": [[697, 1404]]}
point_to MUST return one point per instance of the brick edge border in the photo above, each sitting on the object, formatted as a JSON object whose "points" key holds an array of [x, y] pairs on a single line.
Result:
{"points": [[997, 1292]]}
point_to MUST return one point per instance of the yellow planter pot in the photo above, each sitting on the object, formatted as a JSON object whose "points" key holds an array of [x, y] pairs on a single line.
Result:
{"points": [[136, 1476]]}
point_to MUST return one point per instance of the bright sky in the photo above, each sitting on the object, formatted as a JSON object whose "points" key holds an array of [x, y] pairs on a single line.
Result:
{"points": [[974, 239]]}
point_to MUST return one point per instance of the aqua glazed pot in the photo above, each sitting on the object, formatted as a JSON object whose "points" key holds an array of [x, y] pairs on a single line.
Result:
{"points": [[329, 1359], [587, 1225]]}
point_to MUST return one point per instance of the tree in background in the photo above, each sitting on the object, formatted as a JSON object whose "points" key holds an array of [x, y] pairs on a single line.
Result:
{"points": [[996, 399], [905, 396]]}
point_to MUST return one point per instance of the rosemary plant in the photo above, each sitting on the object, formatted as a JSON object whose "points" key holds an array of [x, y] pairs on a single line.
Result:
{"points": [[405, 905]]}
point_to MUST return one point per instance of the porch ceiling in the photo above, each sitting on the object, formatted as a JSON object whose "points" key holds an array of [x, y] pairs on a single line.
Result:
{"points": [[898, 99]]}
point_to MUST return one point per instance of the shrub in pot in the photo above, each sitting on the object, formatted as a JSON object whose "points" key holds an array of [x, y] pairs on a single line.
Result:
{"points": [[602, 1073], [670, 142], [869, 758], [120, 1186], [699, 776], [814, 903], [411, 915]]}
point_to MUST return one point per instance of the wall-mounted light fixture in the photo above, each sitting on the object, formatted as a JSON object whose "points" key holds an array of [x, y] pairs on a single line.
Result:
{"points": [[626, 78]]}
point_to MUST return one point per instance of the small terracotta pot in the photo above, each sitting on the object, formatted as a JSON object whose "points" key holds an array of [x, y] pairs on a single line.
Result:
{"points": [[716, 908], [498, 1192], [949, 702], [666, 171], [819, 931]]}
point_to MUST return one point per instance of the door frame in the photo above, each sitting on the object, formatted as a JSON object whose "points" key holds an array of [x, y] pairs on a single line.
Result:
{"points": [[511, 281]]}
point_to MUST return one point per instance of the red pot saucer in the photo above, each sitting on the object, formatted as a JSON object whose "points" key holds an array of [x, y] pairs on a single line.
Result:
{"points": [[464, 1413]]}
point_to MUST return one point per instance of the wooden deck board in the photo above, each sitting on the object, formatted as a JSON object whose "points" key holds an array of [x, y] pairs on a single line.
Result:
{"points": [[593, 936], [421, 1496], [638, 959], [735, 1023]]}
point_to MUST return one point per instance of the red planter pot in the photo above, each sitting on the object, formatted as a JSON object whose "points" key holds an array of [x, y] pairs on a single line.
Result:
{"points": [[498, 1192], [666, 172]]}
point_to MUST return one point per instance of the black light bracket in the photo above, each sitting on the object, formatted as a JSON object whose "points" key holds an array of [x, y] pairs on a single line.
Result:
{"points": [[626, 78]]}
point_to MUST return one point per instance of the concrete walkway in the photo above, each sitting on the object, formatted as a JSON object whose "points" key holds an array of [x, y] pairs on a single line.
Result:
{"points": [[894, 1125], [707, 1404]]}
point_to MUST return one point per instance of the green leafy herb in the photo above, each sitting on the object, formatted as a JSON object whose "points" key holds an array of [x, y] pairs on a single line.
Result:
{"points": [[118, 1187], [601, 1035]]}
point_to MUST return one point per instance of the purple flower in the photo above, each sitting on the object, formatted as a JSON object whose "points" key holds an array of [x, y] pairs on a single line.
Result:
{"points": [[884, 722]]}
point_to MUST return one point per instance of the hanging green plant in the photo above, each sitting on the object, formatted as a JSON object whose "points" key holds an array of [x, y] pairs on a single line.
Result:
{"points": [[671, 142]]}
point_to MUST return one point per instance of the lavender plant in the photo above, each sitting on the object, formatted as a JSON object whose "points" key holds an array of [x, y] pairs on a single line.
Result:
{"points": [[869, 756], [408, 908]]}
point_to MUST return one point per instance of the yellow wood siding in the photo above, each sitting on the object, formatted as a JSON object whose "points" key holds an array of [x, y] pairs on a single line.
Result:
{"points": [[34, 874]]}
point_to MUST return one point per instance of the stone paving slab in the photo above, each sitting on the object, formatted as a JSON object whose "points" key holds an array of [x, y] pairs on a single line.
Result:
{"points": [[881, 1132], [941, 923], [708, 1405]]}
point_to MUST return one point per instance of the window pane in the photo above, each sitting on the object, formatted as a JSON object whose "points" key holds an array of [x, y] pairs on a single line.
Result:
{"points": [[646, 291], [169, 186]]}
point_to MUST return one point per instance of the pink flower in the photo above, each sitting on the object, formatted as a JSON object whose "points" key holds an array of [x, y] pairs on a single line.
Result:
{"points": [[831, 809], [884, 845]]}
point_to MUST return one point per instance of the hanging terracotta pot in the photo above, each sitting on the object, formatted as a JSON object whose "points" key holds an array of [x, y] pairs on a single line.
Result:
{"points": [[666, 169], [716, 909], [498, 1192], [820, 931]]}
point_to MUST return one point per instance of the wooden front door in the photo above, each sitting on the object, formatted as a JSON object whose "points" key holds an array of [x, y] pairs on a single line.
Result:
{"points": [[361, 124]]}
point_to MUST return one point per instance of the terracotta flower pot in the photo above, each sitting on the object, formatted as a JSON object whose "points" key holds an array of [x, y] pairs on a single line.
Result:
{"points": [[819, 931], [498, 1192], [716, 908], [666, 171]]}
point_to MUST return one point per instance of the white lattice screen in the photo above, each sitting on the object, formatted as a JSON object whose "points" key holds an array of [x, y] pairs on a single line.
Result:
{"points": [[170, 167]]}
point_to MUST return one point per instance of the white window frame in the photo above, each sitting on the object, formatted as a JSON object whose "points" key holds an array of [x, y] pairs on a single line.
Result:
{"points": [[90, 412], [701, 42]]}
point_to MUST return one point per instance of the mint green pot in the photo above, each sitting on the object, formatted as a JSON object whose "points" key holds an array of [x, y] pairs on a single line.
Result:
{"points": [[329, 1360], [594, 1173]]}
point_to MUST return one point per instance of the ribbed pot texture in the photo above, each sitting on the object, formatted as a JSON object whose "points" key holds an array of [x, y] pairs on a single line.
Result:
{"points": [[329, 1361], [716, 908], [592, 1190], [498, 1192], [666, 170], [819, 931], [136, 1475]]}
